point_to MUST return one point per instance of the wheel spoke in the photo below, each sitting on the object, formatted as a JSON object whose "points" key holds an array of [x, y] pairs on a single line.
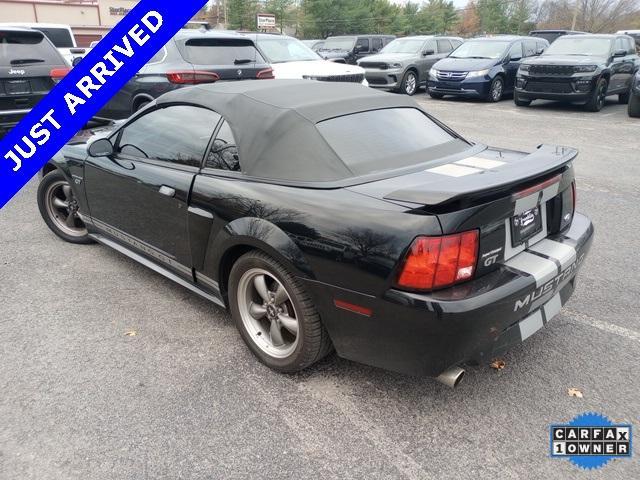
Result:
{"points": [[276, 334], [59, 203], [280, 295], [289, 323], [260, 284], [66, 189], [70, 221], [257, 311]]}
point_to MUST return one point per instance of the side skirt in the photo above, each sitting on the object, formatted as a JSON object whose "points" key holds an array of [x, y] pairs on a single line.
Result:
{"points": [[156, 268]]}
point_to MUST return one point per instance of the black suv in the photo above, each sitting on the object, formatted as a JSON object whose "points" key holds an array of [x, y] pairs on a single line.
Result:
{"points": [[634, 101], [30, 66], [580, 68], [351, 48], [190, 57]]}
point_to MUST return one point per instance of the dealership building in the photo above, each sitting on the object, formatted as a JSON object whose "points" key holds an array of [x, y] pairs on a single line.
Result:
{"points": [[89, 19]]}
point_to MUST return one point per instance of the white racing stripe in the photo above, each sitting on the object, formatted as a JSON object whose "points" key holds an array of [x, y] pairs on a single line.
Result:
{"points": [[541, 269], [478, 162], [561, 252], [452, 170], [530, 325]]}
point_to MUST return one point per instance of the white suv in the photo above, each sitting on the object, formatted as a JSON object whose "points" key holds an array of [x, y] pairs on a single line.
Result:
{"points": [[291, 59], [60, 35]]}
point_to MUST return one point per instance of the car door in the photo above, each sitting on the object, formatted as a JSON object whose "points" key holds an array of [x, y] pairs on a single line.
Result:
{"points": [[425, 62], [514, 57], [617, 66], [362, 48], [139, 195]]}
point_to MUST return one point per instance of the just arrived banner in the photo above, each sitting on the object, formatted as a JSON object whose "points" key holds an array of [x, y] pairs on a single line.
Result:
{"points": [[87, 88]]}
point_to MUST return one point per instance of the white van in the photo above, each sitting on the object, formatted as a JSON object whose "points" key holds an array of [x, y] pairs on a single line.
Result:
{"points": [[59, 34]]}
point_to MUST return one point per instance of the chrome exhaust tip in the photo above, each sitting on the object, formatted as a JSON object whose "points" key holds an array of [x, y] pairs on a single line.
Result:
{"points": [[451, 377]]}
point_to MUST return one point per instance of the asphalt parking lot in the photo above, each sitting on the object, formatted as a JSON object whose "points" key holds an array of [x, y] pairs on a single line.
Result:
{"points": [[184, 398]]}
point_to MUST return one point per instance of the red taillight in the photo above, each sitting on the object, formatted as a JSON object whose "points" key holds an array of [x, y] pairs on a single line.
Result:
{"points": [[191, 77], [266, 74], [437, 262], [58, 74]]}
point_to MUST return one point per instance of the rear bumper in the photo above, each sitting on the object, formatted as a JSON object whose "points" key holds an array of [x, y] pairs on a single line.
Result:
{"points": [[10, 118], [424, 334]]}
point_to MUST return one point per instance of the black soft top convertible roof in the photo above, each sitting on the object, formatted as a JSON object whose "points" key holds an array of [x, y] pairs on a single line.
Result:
{"points": [[274, 123]]}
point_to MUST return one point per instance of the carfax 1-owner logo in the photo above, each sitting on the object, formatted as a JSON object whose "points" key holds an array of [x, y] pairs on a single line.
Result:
{"points": [[590, 440]]}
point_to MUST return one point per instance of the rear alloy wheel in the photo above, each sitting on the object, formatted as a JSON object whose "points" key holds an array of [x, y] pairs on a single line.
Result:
{"points": [[634, 106], [496, 90], [59, 208], [409, 83], [274, 314], [598, 97]]}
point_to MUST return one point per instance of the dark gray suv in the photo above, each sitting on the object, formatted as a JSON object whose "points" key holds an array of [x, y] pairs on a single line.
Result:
{"points": [[404, 64], [190, 57]]}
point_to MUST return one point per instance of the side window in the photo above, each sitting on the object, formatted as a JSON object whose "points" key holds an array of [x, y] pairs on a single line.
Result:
{"points": [[363, 43], [455, 43], [515, 52], [541, 47], [377, 44], [178, 134], [632, 46], [620, 45], [159, 56], [444, 46], [530, 48], [430, 45], [224, 152]]}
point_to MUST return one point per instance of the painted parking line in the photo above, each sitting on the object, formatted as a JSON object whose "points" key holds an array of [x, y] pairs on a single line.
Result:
{"points": [[602, 325]]}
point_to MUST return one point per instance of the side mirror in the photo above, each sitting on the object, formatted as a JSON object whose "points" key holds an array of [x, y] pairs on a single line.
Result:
{"points": [[101, 148], [515, 59], [427, 52], [620, 53]]}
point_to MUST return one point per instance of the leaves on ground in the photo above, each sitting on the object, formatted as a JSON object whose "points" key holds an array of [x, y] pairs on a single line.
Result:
{"points": [[574, 392], [498, 364], [130, 333]]}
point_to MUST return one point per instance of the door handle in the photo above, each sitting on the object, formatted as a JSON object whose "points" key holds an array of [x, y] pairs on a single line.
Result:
{"points": [[167, 191]]}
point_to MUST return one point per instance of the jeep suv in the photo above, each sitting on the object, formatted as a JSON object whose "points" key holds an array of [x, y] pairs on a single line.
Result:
{"points": [[351, 48], [580, 68], [404, 64], [30, 66], [190, 57]]}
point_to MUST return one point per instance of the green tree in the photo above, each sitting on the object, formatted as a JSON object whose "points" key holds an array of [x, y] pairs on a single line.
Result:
{"points": [[242, 14], [493, 16], [281, 9]]}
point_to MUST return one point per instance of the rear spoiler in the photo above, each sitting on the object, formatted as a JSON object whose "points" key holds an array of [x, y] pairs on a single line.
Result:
{"points": [[436, 189]]}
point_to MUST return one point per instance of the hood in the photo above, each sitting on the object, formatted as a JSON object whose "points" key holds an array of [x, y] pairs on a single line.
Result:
{"points": [[564, 60], [465, 64], [333, 53], [315, 68], [389, 57]]}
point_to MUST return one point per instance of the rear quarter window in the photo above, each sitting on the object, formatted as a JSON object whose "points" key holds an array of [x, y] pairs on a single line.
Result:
{"points": [[386, 139], [28, 47], [60, 37], [220, 51]]}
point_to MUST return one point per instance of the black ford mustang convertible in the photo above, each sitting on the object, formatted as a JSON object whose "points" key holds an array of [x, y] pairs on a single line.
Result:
{"points": [[331, 216]]}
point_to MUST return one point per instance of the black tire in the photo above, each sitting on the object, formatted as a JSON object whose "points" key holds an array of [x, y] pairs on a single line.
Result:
{"points": [[313, 341], [634, 106], [520, 102], [496, 90], [598, 96], [51, 189], [437, 96], [409, 85], [623, 98]]}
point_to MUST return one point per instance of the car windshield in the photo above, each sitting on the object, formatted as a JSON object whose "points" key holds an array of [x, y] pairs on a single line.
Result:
{"points": [[403, 46], [60, 37], [578, 45], [339, 43], [481, 49], [387, 139], [285, 49], [26, 48]]}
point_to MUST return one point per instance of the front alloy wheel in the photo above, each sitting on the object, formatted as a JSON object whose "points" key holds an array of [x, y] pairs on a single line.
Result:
{"points": [[598, 97], [410, 83], [496, 90], [275, 315], [59, 208]]}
